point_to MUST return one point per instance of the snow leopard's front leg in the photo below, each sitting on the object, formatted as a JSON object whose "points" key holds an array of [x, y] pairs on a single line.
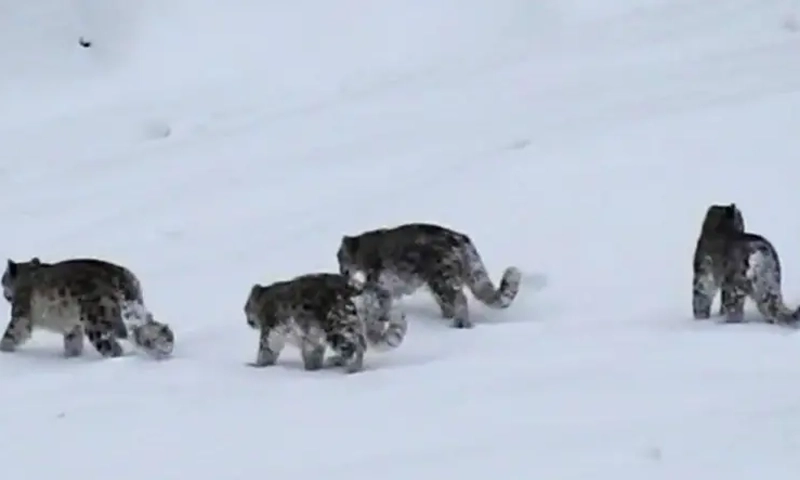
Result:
{"points": [[378, 299], [270, 345], [20, 328], [313, 355], [73, 342], [385, 327], [704, 287]]}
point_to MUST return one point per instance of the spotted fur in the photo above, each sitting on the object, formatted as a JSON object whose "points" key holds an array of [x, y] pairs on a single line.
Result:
{"points": [[314, 312], [741, 265], [64, 281], [400, 260]]}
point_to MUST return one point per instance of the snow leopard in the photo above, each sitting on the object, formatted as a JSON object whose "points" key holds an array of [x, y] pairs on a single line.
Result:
{"points": [[739, 263], [66, 285], [399, 260], [316, 311], [709, 258]]}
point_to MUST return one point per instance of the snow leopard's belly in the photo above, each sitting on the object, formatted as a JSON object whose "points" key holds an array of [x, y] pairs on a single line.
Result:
{"points": [[399, 285], [54, 313]]}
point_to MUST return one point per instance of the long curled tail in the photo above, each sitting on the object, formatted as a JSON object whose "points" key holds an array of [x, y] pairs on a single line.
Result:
{"points": [[132, 303], [134, 313], [793, 320], [776, 311], [764, 271], [156, 338], [480, 283]]}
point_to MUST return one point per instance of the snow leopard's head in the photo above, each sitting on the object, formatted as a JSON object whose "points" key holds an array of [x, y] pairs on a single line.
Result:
{"points": [[350, 257], [15, 273], [722, 219]]}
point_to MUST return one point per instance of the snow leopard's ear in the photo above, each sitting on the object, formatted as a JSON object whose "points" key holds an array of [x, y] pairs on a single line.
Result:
{"points": [[735, 217], [351, 244], [11, 267], [35, 261]]}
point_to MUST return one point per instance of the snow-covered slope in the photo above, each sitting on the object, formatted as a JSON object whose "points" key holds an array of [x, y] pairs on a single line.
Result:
{"points": [[210, 144]]}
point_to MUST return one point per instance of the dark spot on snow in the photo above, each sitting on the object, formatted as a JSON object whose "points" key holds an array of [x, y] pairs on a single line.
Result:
{"points": [[519, 144], [654, 453]]}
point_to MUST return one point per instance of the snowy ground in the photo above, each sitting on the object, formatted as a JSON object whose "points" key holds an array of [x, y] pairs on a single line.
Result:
{"points": [[211, 144]]}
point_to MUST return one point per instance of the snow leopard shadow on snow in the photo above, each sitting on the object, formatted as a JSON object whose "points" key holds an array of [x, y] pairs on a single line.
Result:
{"points": [[400, 260], [431, 314], [739, 265], [423, 309]]}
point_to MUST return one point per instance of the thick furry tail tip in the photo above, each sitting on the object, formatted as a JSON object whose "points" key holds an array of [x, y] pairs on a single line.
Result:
{"points": [[509, 286]]}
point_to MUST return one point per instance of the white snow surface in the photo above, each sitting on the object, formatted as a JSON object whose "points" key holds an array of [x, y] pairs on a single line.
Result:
{"points": [[212, 144]]}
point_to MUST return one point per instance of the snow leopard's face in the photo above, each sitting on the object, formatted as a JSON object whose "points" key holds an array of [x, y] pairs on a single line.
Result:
{"points": [[251, 307], [16, 271], [347, 256]]}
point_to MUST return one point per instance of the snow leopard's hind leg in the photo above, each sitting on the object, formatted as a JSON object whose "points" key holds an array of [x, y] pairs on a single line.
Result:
{"points": [[444, 279], [99, 317], [313, 355], [346, 337], [736, 289], [312, 345]]}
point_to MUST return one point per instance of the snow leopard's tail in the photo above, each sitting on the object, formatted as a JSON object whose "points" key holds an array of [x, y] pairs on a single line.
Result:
{"points": [[154, 338], [132, 302], [764, 271], [479, 282]]}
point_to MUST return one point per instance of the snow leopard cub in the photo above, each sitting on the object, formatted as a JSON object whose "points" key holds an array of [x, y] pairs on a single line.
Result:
{"points": [[741, 265], [400, 260], [121, 286], [316, 311]]}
